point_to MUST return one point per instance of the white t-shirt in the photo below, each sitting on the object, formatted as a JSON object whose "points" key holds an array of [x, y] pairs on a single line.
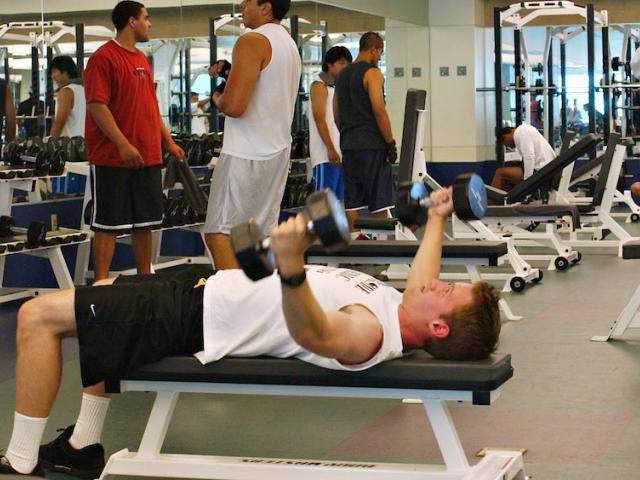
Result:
{"points": [[264, 130], [534, 148], [198, 124], [317, 148], [243, 318], [75, 121]]}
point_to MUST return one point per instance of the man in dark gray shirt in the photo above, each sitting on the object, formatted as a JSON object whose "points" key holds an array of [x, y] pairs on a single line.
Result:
{"points": [[366, 139]]}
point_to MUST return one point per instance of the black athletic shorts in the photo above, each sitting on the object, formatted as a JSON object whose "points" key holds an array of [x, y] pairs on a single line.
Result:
{"points": [[138, 320], [126, 198], [368, 180]]}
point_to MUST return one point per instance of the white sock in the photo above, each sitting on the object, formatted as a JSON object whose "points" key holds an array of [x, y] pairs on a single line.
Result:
{"points": [[25, 442], [88, 429]]}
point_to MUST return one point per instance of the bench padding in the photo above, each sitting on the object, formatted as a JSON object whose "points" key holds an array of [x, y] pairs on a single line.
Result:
{"points": [[490, 250], [416, 371], [631, 250], [536, 210], [376, 223]]}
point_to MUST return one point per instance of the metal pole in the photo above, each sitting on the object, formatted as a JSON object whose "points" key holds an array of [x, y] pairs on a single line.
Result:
{"points": [[606, 92], [187, 83], [563, 76], [592, 68], [213, 58], [497, 41], [49, 96], [295, 34], [35, 75], [181, 89], [7, 74], [519, 81], [325, 40], [550, 96], [80, 48]]}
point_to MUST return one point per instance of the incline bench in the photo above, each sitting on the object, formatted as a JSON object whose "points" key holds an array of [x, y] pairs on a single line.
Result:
{"points": [[417, 376]]}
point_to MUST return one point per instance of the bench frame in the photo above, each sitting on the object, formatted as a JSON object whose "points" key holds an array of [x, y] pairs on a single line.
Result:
{"points": [[148, 461]]}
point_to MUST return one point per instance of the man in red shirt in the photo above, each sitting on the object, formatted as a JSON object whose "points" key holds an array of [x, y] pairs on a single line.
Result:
{"points": [[123, 133]]}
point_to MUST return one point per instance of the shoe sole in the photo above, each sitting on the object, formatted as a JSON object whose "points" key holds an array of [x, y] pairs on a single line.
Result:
{"points": [[88, 474]]}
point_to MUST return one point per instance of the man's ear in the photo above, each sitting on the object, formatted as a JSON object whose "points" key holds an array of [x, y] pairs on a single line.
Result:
{"points": [[439, 329]]}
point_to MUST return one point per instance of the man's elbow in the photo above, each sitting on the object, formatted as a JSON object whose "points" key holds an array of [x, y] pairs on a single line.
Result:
{"points": [[232, 110]]}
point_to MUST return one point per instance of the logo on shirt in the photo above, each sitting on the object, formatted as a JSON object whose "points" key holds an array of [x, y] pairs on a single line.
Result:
{"points": [[368, 286], [140, 72]]}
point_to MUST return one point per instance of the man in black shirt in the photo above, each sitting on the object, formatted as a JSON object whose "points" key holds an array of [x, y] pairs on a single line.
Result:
{"points": [[366, 139]]}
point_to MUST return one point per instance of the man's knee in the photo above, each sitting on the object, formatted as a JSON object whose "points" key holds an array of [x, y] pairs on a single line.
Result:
{"points": [[29, 321]]}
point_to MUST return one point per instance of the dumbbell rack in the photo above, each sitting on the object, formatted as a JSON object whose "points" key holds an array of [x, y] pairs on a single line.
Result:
{"points": [[52, 253], [82, 261]]}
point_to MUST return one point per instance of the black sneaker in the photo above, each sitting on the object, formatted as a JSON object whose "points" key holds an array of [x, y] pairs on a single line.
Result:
{"points": [[60, 456], [7, 469]]}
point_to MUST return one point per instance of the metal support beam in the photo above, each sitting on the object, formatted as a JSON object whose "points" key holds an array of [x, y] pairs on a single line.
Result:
{"points": [[606, 92], [325, 40], [591, 59], [550, 107], [295, 34], [563, 77], [213, 58], [519, 81], [181, 88], [49, 95], [80, 48], [497, 41], [187, 85]]}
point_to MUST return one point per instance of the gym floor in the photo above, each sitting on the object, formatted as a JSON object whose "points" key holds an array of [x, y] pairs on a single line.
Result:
{"points": [[572, 404]]}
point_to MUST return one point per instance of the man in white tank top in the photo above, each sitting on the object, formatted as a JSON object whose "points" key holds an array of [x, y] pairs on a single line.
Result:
{"points": [[324, 137], [259, 102], [70, 102], [334, 318]]}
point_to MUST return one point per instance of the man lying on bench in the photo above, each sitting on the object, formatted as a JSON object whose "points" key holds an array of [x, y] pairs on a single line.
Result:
{"points": [[336, 318]]}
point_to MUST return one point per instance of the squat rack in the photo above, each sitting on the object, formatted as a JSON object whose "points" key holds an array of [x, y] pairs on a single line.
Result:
{"points": [[519, 15]]}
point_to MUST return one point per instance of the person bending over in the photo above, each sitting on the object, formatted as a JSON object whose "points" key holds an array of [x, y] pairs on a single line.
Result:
{"points": [[324, 137], [534, 149], [71, 108], [332, 317]]}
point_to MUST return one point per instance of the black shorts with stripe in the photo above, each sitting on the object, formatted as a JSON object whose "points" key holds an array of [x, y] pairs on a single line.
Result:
{"points": [[126, 198], [138, 320]]}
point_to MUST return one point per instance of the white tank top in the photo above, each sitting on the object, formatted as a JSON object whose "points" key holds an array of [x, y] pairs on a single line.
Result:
{"points": [[245, 319], [317, 148], [264, 129], [75, 122]]}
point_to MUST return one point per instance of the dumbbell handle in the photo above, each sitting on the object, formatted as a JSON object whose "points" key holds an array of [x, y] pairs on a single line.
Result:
{"points": [[266, 242]]}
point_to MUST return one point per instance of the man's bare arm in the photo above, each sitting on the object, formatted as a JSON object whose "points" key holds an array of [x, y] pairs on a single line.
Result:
{"points": [[251, 54], [351, 337], [10, 115], [426, 264], [64, 105], [374, 85]]}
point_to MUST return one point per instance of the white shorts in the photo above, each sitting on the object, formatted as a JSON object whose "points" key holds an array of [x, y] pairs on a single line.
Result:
{"points": [[243, 190]]}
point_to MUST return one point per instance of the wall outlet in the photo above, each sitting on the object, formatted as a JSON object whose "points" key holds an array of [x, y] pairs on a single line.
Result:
{"points": [[444, 71], [398, 72], [462, 70]]}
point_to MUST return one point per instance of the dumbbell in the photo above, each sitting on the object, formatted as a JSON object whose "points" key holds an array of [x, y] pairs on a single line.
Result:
{"points": [[6, 226], [326, 220], [469, 200], [43, 162], [79, 148], [36, 233]]}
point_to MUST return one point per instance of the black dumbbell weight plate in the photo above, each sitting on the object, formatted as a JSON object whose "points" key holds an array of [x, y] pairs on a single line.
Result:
{"points": [[79, 148], [7, 174], [6, 225], [43, 164], [255, 263], [469, 197], [329, 219], [15, 246], [408, 209], [36, 235], [57, 162]]}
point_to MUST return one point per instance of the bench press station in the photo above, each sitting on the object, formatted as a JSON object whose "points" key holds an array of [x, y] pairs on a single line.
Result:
{"points": [[416, 376]]}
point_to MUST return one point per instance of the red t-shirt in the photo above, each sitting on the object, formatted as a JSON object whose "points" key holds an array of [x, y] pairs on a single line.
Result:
{"points": [[123, 81]]}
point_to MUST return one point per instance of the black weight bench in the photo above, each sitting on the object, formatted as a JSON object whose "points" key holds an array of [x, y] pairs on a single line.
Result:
{"points": [[487, 253], [417, 376]]}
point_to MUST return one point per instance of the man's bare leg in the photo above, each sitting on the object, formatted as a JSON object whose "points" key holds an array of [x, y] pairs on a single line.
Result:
{"points": [[142, 244], [351, 217], [42, 323], [103, 243], [221, 250], [635, 191], [507, 175]]}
